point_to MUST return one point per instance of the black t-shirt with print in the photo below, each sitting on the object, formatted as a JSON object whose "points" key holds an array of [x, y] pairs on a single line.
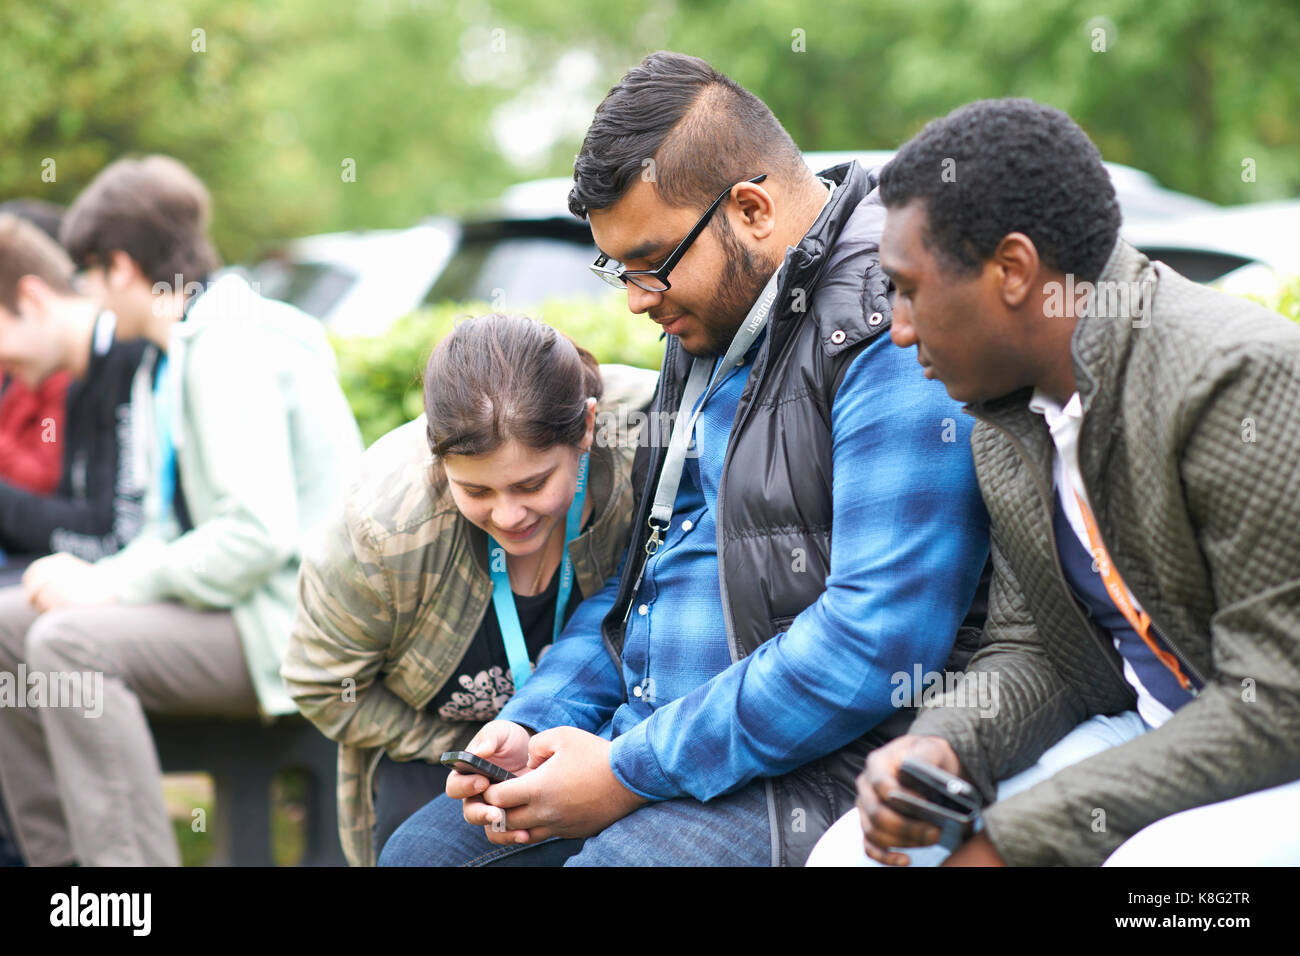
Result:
{"points": [[483, 684]]}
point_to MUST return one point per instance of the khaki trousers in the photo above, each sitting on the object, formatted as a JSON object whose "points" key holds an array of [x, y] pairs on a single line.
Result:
{"points": [[79, 773]]}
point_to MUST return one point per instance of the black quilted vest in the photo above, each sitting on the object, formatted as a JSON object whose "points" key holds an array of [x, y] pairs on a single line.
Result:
{"points": [[774, 498]]}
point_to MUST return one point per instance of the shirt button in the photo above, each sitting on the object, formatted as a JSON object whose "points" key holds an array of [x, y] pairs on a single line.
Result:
{"points": [[643, 610], [688, 524], [636, 691]]}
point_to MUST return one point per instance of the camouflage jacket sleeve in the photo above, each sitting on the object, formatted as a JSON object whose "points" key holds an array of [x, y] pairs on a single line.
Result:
{"points": [[341, 634]]}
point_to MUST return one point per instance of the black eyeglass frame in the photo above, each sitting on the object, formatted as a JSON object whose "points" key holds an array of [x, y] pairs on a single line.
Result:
{"points": [[620, 277]]}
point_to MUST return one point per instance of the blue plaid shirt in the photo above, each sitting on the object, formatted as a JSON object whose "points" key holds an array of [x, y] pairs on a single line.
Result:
{"points": [[910, 539]]}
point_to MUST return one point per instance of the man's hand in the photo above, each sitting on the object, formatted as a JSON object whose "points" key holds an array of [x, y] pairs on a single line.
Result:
{"points": [[977, 851], [883, 827], [63, 580], [568, 790]]}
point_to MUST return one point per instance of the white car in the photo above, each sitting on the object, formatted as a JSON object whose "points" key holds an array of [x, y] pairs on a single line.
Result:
{"points": [[1241, 249], [527, 247], [358, 283]]}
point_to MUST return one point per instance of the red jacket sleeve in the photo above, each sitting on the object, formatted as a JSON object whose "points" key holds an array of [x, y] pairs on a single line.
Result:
{"points": [[31, 432]]}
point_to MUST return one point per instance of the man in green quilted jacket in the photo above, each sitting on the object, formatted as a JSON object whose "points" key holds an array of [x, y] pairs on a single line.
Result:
{"points": [[1138, 446]]}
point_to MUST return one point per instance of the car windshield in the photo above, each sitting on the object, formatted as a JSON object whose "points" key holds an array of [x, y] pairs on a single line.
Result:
{"points": [[520, 272], [313, 287]]}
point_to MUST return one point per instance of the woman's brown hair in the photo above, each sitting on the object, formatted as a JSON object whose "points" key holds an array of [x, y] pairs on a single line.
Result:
{"points": [[497, 377]]}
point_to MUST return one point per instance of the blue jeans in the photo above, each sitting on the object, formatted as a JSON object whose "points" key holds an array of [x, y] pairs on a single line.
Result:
{"points": [[730, 830]]}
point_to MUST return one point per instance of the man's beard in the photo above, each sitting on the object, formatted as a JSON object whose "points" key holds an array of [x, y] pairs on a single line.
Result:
{"points": [[742, 279]]}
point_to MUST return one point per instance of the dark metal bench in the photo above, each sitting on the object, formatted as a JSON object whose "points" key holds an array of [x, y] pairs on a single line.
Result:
{"points": [[243, 756]]}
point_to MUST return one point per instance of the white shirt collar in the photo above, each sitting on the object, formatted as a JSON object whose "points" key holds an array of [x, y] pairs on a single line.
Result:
{"points": [[105, 327], [1052, 410]]}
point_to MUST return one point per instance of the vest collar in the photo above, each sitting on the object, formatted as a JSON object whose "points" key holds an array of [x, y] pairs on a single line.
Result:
{"points": [[803, 263]]}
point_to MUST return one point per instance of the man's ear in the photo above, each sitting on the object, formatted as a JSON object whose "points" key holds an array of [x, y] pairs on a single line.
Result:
{"points": [[757, 209], [123, 271], [1016, 258], [33, 295]]}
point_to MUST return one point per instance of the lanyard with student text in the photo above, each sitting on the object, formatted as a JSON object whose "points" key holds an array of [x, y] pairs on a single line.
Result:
{"points": [[1140, 621], [503, 598], [702, 370]]}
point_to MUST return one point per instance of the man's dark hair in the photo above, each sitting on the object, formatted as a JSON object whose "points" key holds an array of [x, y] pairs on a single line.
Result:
{"points": [[46, 215], [703, 131], [25, 250], [1012, 165], [153, 209]]}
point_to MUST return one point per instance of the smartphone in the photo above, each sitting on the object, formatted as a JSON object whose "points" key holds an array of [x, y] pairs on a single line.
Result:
{"points": [[939, 786], [466, 762], [938, 797]]}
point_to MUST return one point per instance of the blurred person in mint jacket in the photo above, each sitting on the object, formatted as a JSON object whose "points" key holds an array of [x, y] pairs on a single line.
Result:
{"points": [[252, 439]]}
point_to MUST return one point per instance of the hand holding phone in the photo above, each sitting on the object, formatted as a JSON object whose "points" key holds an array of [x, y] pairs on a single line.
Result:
{"points": [[936, 796], [465, 762]]}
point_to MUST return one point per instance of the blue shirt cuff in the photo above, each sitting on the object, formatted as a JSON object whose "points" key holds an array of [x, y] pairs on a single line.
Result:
{"points": [[636, 767]]}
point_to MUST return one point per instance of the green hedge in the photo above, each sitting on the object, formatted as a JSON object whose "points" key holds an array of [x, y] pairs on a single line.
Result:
{"points": [[382, 376], [1285, 300]]}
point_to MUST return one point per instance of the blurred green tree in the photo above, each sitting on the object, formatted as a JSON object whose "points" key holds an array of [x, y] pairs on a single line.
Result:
{"points": [[277, 104]]}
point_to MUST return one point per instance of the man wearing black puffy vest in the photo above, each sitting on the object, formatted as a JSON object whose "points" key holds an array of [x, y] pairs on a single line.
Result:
{"points": [[713, 703]]}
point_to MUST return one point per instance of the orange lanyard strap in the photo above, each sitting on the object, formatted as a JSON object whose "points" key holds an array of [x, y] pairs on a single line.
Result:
{"points": [[1140, 621]]}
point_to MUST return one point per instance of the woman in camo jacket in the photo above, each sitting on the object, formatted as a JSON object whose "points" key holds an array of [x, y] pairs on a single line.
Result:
{"points": [[397, 650]]}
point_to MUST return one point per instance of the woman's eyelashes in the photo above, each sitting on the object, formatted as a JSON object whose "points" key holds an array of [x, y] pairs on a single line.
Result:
{"points": [[524, 489]]}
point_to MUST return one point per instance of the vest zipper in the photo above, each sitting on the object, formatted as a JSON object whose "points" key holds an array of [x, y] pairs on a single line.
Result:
{"points": [[722, 575], [742, 414]]}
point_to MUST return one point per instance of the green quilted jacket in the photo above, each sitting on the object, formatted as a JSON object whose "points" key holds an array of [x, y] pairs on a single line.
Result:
{"points": [[1190, 452], [394, 589]]}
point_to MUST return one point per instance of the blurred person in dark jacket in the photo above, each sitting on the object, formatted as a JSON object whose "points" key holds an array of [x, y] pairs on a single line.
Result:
{"points": [[30, 421], [47, 329]]}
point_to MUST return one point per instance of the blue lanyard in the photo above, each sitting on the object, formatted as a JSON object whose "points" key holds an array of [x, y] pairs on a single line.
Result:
{"points": [[503, 598], [163, 411]]}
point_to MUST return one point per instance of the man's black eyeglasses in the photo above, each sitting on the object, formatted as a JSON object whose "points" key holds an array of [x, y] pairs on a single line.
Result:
{"points": [[656, 280]]}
